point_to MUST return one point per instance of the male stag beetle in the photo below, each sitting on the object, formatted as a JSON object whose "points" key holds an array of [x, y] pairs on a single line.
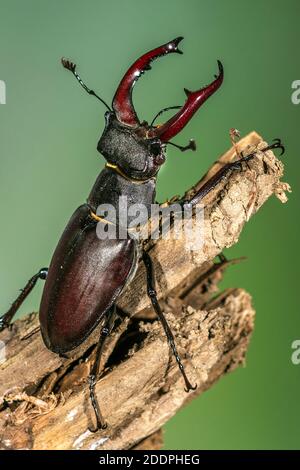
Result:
{"points": [[87, 275]]}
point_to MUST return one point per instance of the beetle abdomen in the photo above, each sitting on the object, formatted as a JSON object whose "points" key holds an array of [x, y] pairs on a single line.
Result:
{"points": [[85, 277]]}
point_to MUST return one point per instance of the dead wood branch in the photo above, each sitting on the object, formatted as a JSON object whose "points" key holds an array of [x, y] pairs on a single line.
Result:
{"points": [[44, 397]]}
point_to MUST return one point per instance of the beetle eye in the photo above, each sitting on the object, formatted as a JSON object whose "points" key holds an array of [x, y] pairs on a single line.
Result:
{"points": [[155, 148]]}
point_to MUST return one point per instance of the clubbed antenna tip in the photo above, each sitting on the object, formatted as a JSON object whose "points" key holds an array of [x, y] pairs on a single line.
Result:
{"points": [[67, 64]]}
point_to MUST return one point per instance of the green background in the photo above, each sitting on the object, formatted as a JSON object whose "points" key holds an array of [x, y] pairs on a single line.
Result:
{"points": [[48, 135]]}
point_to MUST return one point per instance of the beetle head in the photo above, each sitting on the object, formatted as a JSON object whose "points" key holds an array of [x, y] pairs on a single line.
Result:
{"points": [[128, 147], [137, 148]]}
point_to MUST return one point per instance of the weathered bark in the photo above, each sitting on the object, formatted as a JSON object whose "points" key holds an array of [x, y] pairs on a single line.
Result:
{"points": [[44, 398]]}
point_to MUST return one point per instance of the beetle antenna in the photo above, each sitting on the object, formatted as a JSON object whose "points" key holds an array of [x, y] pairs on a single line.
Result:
{"points": [[72, 67], [162, 111], [191, 146]]}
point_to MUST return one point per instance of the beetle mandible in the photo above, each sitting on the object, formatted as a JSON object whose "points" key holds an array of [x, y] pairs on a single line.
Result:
{"points": [[87, 275]]}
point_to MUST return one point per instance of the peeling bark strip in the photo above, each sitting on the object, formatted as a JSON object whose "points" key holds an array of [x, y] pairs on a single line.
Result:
{"points": [[44, 398]]}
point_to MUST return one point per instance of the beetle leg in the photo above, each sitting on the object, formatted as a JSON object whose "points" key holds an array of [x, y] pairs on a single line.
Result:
{"points": [[276, 145], [105, 331], [8, 316], [153, 297], [225, 171]]}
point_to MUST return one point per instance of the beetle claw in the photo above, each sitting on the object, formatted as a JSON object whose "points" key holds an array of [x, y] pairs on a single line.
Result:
{"points": [[98, 427], [93, 430], [276, 145], [190, 387]]}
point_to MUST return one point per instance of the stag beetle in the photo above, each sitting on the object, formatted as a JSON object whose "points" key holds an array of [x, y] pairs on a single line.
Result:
{"points": [[87, 275]]}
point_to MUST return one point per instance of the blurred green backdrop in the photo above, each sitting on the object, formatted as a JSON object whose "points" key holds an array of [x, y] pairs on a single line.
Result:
{"points": [[48, 135]]}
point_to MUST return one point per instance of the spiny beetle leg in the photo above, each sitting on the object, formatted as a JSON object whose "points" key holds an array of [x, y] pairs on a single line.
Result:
{"points": [[8, 316], [100, 424], [153, 297], [276, 145], [105, 331], [227, 169]]}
